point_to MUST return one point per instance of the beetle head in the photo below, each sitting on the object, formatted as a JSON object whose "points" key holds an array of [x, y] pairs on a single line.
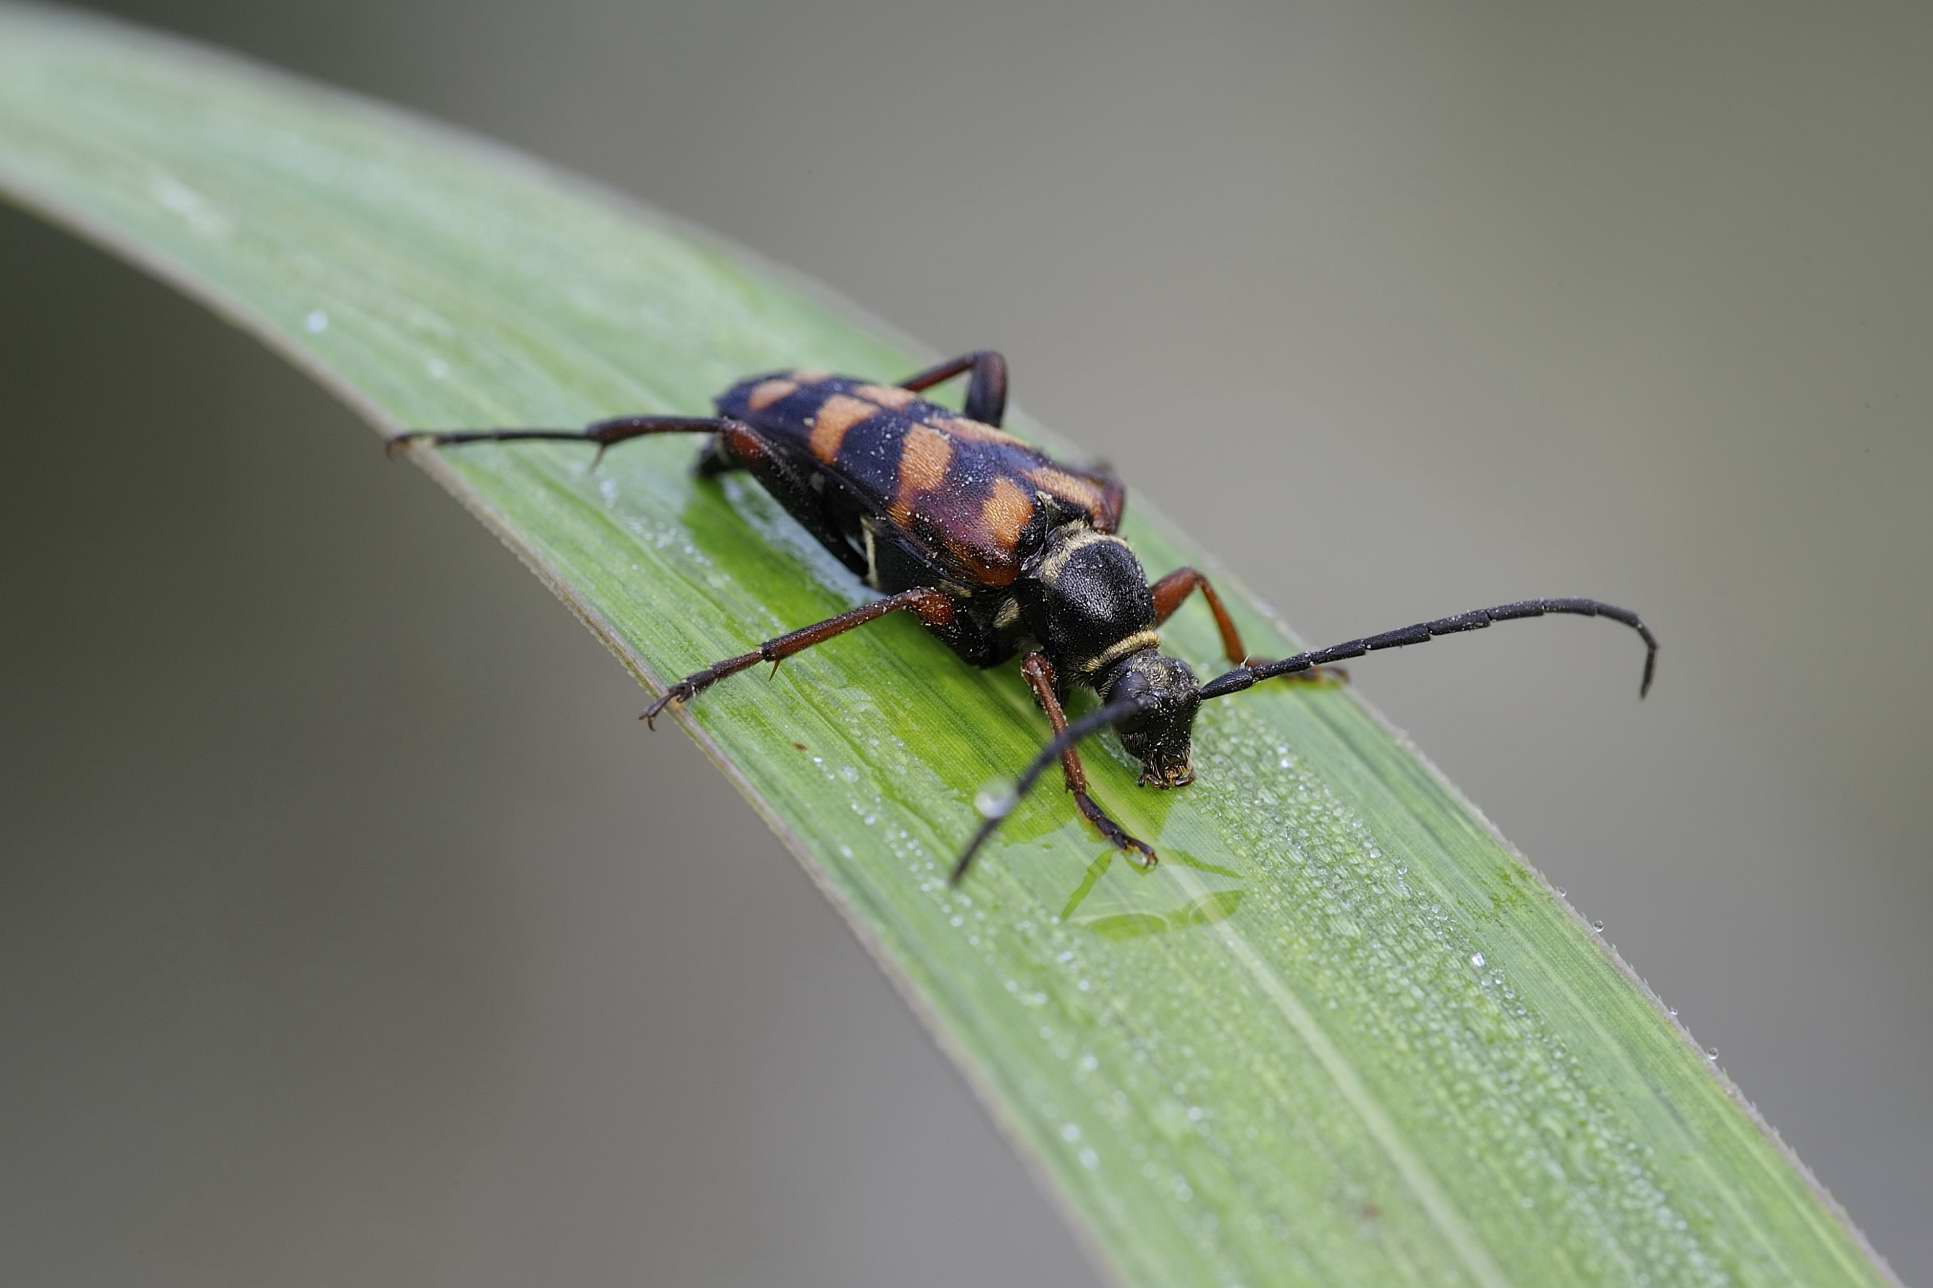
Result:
{"points": [[1159, 735]]}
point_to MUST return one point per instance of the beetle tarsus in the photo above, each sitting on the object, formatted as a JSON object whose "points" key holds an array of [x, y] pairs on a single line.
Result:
{"points": [[399, 444], [682, 691], [1118, 836]]}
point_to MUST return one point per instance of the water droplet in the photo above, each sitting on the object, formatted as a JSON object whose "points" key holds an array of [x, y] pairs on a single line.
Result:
{"points": [[1711, 1054], [995, 800], [1597, 924], [1560, 892], [1672, 1011], [317, 322], [1476, 960]]}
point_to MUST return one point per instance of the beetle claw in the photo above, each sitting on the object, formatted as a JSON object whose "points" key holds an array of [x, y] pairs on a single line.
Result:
{"points": [[679, 692]]}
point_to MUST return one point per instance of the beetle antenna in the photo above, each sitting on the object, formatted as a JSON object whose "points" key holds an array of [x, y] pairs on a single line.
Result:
{"points": [[1243, 677], [996, 814]]}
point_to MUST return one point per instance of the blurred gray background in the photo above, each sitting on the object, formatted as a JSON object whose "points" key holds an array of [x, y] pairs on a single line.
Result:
{"points": [[354, 932]]}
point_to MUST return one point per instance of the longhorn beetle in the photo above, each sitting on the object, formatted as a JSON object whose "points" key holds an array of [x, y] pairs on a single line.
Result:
{"points": [[996, 548]]}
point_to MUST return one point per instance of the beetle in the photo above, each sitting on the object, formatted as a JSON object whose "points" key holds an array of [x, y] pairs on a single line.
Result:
{"points": [[997, 548]]}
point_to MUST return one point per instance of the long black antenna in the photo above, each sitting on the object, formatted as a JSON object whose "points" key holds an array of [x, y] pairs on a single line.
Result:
{"points": [[1243, 677], [996, 813]]}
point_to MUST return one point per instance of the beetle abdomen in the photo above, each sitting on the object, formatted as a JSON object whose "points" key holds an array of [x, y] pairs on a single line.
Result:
{"points": [[972, 497]]}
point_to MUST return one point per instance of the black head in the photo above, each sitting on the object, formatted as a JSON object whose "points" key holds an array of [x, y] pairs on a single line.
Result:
{"points": [[1160, 735]]}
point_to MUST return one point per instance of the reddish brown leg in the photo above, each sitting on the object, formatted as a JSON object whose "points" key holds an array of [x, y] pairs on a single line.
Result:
{"points": [[604, 433], [734, 445], [1170, 593], [1173, 590], [934, 608], [1040, 677], [986, 398]]}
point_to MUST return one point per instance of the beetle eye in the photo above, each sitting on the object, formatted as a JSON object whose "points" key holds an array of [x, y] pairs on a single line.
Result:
{"points": [[1132, 687]]}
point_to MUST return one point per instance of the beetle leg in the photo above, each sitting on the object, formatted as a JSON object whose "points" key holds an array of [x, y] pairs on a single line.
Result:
{"points": [[734, 445], [933, 607], [604, 433], [986, 399], [1173, 590], [1040, 677], [1114, 497]]}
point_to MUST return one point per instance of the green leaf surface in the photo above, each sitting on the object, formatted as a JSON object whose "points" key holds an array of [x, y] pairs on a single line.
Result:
{"points": [[1342, 1035]]}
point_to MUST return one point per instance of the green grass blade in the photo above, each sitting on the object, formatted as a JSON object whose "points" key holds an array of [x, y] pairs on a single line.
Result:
{"points": [[1342, 1035]]}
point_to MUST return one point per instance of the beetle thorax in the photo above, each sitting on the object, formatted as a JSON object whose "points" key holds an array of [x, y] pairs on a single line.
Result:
{"points": [[1086, 599]]}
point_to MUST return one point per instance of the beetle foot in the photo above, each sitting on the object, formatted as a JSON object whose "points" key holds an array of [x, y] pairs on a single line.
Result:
{"points": [[1115, 833], [683, 691]]}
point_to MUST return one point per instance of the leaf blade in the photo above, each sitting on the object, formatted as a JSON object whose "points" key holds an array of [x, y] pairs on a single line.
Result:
{"points": [[1343, 1034]]}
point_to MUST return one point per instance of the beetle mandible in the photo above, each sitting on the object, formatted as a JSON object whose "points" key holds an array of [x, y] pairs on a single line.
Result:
{"points": [[997, 548]]}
